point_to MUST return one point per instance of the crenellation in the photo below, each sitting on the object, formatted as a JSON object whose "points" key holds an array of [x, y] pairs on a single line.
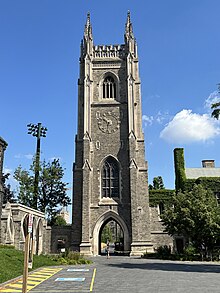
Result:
{"points": [[109, 51]]}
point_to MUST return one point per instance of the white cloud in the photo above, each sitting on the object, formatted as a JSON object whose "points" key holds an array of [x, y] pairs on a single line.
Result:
{"points": [[55, 158], [7, 170], [188, 127], [10, 179], [212, 99], [147, 120], [29, 156], [158, 118], [20, 156], [161, 117]]}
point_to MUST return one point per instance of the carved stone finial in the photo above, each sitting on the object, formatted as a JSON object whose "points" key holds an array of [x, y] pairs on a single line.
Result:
{"points": [[128, 26], [128, 17], [88, 27], [88, 19]]}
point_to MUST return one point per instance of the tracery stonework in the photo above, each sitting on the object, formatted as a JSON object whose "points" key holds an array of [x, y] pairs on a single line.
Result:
{"points": [[110, 172]]}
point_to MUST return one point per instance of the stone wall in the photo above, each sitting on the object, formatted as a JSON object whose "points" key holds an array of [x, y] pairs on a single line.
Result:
{"points": [[58, 237], [14, 220], [158, 236]]}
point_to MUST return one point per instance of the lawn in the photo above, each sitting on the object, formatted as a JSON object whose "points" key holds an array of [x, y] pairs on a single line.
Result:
{"points": [[12, 261]]}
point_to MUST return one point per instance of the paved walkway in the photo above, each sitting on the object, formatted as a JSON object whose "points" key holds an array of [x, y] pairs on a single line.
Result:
{"points": [[124, 274]]}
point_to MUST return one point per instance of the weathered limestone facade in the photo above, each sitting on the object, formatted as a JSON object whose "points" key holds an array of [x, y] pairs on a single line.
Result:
{"points": [[110, 171], [158, 236], [14, 220]]}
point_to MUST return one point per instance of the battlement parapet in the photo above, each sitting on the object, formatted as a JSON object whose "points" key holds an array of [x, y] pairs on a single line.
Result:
{"points": [[109, 51]]}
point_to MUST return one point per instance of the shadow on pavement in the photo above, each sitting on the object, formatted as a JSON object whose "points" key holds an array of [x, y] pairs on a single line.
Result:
{"points": [[185, 267]]}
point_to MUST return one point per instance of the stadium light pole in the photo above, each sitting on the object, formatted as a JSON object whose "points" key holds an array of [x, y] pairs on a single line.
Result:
{"points": [[38, 131]]}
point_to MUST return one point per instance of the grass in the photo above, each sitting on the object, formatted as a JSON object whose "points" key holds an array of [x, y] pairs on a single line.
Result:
{"points": [[12, 261]]}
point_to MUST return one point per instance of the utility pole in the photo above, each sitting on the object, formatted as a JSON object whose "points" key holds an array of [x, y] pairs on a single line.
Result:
{"points": [[38, 131]]}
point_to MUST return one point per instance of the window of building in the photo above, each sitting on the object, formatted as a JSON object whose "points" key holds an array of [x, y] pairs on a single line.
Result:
{"points": [[109, 88], [217, 196], [161, 208], [110, 178]]}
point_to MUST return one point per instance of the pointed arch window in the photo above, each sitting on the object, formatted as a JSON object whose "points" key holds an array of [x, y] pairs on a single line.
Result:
{"points": [[109, 88], [110, 178]]}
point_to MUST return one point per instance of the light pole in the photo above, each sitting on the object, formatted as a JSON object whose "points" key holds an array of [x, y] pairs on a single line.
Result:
{"points": [[38, 131]]}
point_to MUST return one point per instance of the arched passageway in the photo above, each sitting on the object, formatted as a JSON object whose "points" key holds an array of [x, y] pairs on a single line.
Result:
{"points": [[110, 225], [111, 232]]}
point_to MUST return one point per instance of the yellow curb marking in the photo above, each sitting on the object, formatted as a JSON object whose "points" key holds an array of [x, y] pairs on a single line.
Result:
{"points": [[93, 280], [34, 279], [10, 290]]}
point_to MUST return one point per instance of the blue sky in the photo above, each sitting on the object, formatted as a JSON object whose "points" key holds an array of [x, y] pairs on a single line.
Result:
{"points": [[178, 45]]}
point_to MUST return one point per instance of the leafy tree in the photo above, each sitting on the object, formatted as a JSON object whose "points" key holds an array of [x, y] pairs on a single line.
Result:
{"points": [[52, 190], [157, 183], [9, 195], [196, 216], [26, 186], [106, 234], [216, 107], [59, 221]]}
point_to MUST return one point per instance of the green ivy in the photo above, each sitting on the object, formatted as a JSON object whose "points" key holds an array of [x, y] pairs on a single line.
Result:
{"points": [[160, 196], [179, 168], [212, 183], [184, 184]]}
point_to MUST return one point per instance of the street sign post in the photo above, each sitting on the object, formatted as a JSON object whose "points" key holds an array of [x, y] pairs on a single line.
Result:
{"points": [[27, 253]]}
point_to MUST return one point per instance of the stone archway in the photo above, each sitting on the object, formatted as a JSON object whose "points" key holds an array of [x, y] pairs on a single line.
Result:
{"points": [[39, 237], [110, 215]]}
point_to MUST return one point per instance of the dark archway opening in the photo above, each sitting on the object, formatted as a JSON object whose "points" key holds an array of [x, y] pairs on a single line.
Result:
{"points": [[111, 232]]}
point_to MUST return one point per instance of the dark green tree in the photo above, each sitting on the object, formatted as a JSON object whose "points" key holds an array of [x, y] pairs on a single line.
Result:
{"points": [[157, 183], [26, 186], [196, 216], [58, 221], [9, 195], [216, 107], [52, 193], [106, 234]]}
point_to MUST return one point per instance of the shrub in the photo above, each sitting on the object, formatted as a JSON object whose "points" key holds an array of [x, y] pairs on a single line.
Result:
{"points": [[164, 252]]}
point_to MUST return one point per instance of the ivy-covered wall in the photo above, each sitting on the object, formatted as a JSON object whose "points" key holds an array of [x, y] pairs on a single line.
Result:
{"points": [[179, 165], [184, 184], [212, 183], [157, 196]]}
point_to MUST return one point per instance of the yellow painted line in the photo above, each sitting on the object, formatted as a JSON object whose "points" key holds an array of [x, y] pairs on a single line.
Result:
{"points": [[43, 274], [93, 280], [33, 280], [29, 282], [37, 278], [49, 270], [9, 290], [45, 277], [19, 286]]}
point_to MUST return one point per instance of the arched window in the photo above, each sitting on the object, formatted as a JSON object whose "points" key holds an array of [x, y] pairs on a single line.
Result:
{"points": [[110, 178], [109, 88]]}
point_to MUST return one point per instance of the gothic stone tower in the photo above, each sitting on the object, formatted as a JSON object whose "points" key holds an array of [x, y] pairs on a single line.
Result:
{"points": [[110, 171]]}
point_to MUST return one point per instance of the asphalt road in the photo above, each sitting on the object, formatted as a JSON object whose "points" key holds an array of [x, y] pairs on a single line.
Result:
{"points": [[124, 274]]}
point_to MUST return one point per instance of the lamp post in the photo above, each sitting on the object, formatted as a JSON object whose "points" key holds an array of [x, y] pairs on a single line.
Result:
{"points": [[38, 131]]}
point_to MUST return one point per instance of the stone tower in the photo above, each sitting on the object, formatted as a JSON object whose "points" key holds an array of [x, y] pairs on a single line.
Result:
{"points": [[110, 172]]}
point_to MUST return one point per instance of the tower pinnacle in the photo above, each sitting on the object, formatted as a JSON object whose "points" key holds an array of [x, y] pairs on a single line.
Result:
{"points": [[128, 27], [88, 39], [88, 28]]}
